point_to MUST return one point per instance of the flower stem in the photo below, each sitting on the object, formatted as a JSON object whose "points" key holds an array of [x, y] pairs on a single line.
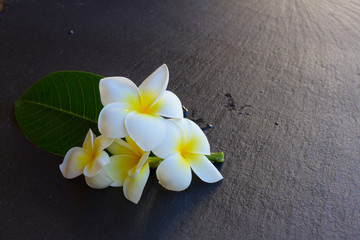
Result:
{"points": [[154, 161], [216, 157], [213, 157]]}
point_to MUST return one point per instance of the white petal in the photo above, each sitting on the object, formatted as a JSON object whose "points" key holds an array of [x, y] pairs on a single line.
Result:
{"points": [[118, 89], [133, 187], [112, 119], [203, 168], [88, 141], [120, 147], [95, 166], [74, 162], [196, 141], [134, 173], [101, 180], [118, 168], [172, 143], [174, 173], [134, 147], [169, 105], [100, 143], [154, 86], [146, 130]]}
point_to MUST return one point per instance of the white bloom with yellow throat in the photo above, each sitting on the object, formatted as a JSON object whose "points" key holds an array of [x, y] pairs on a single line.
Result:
{"points": [[184, 148], [88, 160], [128, 168], [137, 112]]}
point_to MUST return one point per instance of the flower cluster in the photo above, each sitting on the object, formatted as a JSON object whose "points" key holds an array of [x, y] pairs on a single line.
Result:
{"points": [[135, 124]]}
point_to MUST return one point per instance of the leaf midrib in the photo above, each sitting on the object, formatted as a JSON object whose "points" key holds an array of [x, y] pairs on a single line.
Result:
{"points": [[58, 109]]}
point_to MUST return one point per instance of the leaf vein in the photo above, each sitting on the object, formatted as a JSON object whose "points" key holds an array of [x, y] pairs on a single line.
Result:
{"points": [[95, 99], [57, 91], [53, 130], [64, 137], [38, 119], [68, 91], [60, 110], [82, 94]]}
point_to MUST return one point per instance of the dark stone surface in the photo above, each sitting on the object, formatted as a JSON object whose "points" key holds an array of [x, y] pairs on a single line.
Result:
{"points": [[277, 79]]}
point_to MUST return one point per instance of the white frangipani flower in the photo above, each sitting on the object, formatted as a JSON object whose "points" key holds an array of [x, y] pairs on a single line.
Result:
{"points": [[184, 148], [129, 167], [137, 112], [88, 160]]}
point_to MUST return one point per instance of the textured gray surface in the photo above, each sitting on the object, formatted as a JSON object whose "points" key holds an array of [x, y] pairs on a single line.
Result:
{"points": [[292, 168]]}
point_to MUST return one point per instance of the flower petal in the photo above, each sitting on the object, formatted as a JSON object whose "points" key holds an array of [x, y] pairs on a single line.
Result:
{"points": [[169, 105], [88, 141], [174, 173], [133, 187], [111, 120], [95, 166], [118, 89], [153, 87], [135, 148], [121, 147], [100, 143], [203, 168], [118, 168], [172, 143], [196, 141], [146, 130], [74, 162], [133, 173], [101, 180]]}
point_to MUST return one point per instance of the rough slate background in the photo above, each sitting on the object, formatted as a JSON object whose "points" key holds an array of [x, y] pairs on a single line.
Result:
{"points": [[292, 167]]}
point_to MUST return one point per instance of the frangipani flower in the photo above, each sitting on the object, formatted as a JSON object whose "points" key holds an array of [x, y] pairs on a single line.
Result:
{"points": [[183, 149], [129, 167], [88, 160], [137, 112]]}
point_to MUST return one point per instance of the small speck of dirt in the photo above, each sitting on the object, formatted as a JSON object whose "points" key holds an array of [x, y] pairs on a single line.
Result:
{"points": [[71, 32], [185, 112], [243, 109], [193, 112], [245, 106], [202, 124], [199, 121], [230, 102], [208, 126]]}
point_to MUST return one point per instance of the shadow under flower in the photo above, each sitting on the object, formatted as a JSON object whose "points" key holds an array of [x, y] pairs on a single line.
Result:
{"points": [[167, 210], [157, 215]]}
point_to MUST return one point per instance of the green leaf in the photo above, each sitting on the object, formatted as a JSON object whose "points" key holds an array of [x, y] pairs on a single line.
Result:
{"points": [[56, 112]]}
